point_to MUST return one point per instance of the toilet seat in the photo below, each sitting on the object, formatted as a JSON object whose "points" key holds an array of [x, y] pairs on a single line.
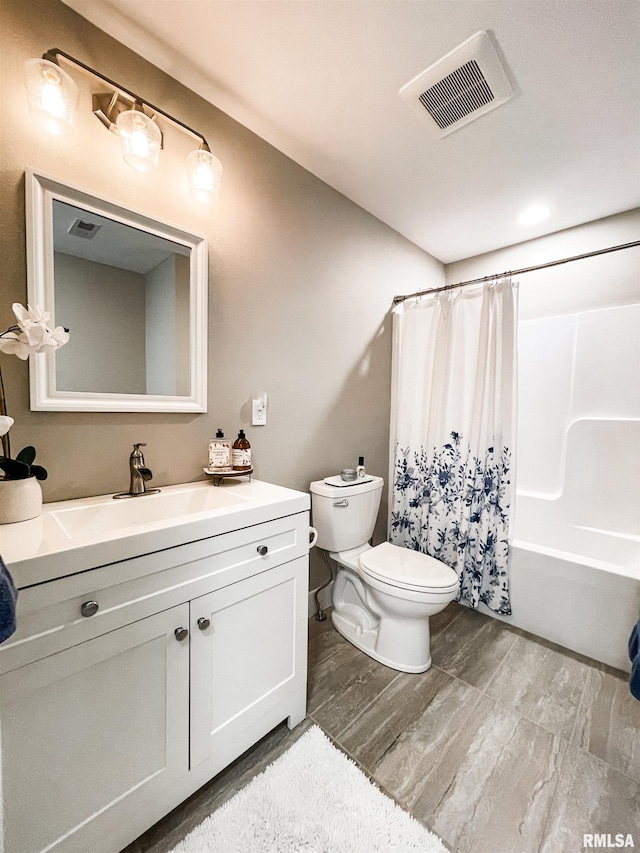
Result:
{"points": [[407, 569]]}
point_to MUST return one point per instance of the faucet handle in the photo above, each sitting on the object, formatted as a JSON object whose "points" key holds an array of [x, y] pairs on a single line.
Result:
{"points": [[136, 453]]}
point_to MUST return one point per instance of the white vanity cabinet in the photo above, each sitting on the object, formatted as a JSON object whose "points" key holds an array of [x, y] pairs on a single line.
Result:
{"points": [[129, 685], [93, 734]]}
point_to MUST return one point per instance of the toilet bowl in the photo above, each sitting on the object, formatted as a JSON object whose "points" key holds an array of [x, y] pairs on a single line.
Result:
{"points": [[383, 596]]}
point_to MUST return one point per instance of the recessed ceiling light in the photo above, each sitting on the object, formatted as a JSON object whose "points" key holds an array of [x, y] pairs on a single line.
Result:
{"points": [[533, 214]]}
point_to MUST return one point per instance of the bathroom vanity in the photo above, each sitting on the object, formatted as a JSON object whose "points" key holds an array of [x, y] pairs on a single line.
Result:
{"points": [[158, 638]]}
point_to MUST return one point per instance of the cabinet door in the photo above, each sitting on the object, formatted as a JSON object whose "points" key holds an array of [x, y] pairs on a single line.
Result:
{"points": [[250, 656], [92, 736]]}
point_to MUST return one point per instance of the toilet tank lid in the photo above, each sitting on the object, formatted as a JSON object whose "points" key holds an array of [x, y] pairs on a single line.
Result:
{"points": [[372, 484], [337, 480]]}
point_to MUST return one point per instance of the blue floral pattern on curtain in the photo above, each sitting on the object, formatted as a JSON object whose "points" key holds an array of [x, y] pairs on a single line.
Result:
{"points": [[454, 506]]}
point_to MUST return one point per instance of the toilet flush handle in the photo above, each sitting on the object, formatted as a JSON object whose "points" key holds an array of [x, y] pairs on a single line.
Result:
{"points": [[344, 502]]}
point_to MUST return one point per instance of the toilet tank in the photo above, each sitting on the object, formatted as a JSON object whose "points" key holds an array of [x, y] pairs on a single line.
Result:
{"points": [[345, 516]]}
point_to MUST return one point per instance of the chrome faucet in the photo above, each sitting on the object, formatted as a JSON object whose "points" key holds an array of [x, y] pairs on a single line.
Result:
{"points": [[140, 474]]}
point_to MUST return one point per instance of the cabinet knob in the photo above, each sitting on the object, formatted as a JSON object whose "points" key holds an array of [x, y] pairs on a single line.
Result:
{"points": [[89, 608], [203, 623], [263, 550], [181, 633]]}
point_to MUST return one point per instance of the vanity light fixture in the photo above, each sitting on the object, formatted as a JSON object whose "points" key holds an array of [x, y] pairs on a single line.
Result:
{"points": [[53, 96]]}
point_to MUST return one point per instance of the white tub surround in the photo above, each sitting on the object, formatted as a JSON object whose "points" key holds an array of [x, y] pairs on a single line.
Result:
{"points": [[157, 640], [575, 558], [576, 585]]}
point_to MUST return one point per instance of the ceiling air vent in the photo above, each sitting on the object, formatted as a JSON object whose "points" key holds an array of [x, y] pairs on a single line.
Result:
{"points": [[465, 84], [84, 229]]}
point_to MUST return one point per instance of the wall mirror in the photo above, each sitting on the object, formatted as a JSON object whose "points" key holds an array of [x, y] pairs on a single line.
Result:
{"points": [[133, 293]]}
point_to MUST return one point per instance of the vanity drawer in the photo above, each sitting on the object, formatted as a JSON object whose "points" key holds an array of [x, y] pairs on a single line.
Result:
{"points": [[58, 614]]}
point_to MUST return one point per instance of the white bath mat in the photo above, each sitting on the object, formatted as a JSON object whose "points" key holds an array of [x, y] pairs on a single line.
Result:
{"points": [[313, 799]]}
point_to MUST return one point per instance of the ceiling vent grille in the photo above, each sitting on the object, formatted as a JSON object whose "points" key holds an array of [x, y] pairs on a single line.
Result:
{"points": [[84, 229], [465, 84], [458, 95]]}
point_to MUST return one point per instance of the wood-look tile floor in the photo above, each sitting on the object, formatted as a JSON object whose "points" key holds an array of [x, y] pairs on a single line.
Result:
{"points": [[508, 744]]}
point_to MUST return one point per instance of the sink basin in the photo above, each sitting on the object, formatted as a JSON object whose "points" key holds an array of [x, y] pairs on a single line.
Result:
{"points": [[105, 516]]}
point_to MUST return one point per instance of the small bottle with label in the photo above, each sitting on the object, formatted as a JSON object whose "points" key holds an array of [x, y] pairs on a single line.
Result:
{"points": [[241, 453], [220, 452], [360, 470]]}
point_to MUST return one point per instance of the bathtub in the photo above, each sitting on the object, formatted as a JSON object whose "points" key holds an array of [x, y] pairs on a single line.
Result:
{"points": [[574, 585]]}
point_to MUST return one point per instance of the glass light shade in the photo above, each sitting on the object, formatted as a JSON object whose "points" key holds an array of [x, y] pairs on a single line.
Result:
{"points": [[140, 139], [52, 95], [205, 174]]}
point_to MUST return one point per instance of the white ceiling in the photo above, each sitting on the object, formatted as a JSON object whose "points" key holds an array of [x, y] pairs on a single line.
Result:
{"points": [[319, 80]]}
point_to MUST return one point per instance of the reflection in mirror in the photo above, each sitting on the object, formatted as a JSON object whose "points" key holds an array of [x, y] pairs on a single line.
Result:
{"points": [[134, 292], [125, 293]]}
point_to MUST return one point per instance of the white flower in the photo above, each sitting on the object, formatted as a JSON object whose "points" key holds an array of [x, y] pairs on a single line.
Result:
{"points": [[33, 325], [60, 336], [30, 316], [34, 335], [14, 344], [5, 424]]}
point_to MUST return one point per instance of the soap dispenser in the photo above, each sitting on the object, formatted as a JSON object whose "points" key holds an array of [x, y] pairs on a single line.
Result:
{"points": [[220, 452], [241, 453], [360, 470]]}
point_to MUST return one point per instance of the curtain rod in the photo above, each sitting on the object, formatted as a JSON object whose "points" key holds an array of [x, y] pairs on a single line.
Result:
{"points": [[398, 299]]}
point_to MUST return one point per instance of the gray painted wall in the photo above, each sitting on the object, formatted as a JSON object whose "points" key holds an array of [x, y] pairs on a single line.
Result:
{"points": [[167, 327], [102, 305], [300, 284]]}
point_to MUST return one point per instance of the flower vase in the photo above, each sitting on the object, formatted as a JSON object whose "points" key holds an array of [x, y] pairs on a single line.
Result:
{"points": [[20, 500]]}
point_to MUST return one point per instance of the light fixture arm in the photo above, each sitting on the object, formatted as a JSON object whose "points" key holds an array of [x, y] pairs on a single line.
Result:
{"points": [[107, 106]]}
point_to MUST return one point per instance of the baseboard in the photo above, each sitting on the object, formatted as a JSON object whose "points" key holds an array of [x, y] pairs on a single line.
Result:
{"points": [[324, 598]]}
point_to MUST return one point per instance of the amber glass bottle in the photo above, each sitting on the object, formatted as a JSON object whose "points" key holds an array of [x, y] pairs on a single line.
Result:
{"points": [[241, 453]]}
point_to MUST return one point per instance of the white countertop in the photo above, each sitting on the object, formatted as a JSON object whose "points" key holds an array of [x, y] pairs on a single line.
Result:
{"points": [[73, 536]]}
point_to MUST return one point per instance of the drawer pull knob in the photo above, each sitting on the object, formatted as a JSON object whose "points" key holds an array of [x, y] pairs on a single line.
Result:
{"points": [[89, 608], [263, 550], [203, 623], [181, 634]]}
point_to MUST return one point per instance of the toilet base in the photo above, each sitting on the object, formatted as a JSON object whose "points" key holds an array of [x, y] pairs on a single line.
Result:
{"points": [[389, 624], [367, 639]]}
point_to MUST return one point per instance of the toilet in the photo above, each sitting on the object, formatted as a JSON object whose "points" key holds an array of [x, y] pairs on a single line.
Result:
{"points": [[383, 596]]}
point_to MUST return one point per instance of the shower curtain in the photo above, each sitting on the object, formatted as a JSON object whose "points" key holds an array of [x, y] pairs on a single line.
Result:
{"points": [[452, 430]]}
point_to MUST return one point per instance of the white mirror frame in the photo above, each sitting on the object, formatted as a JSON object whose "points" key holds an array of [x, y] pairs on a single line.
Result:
{"points": [[41, 191]]}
